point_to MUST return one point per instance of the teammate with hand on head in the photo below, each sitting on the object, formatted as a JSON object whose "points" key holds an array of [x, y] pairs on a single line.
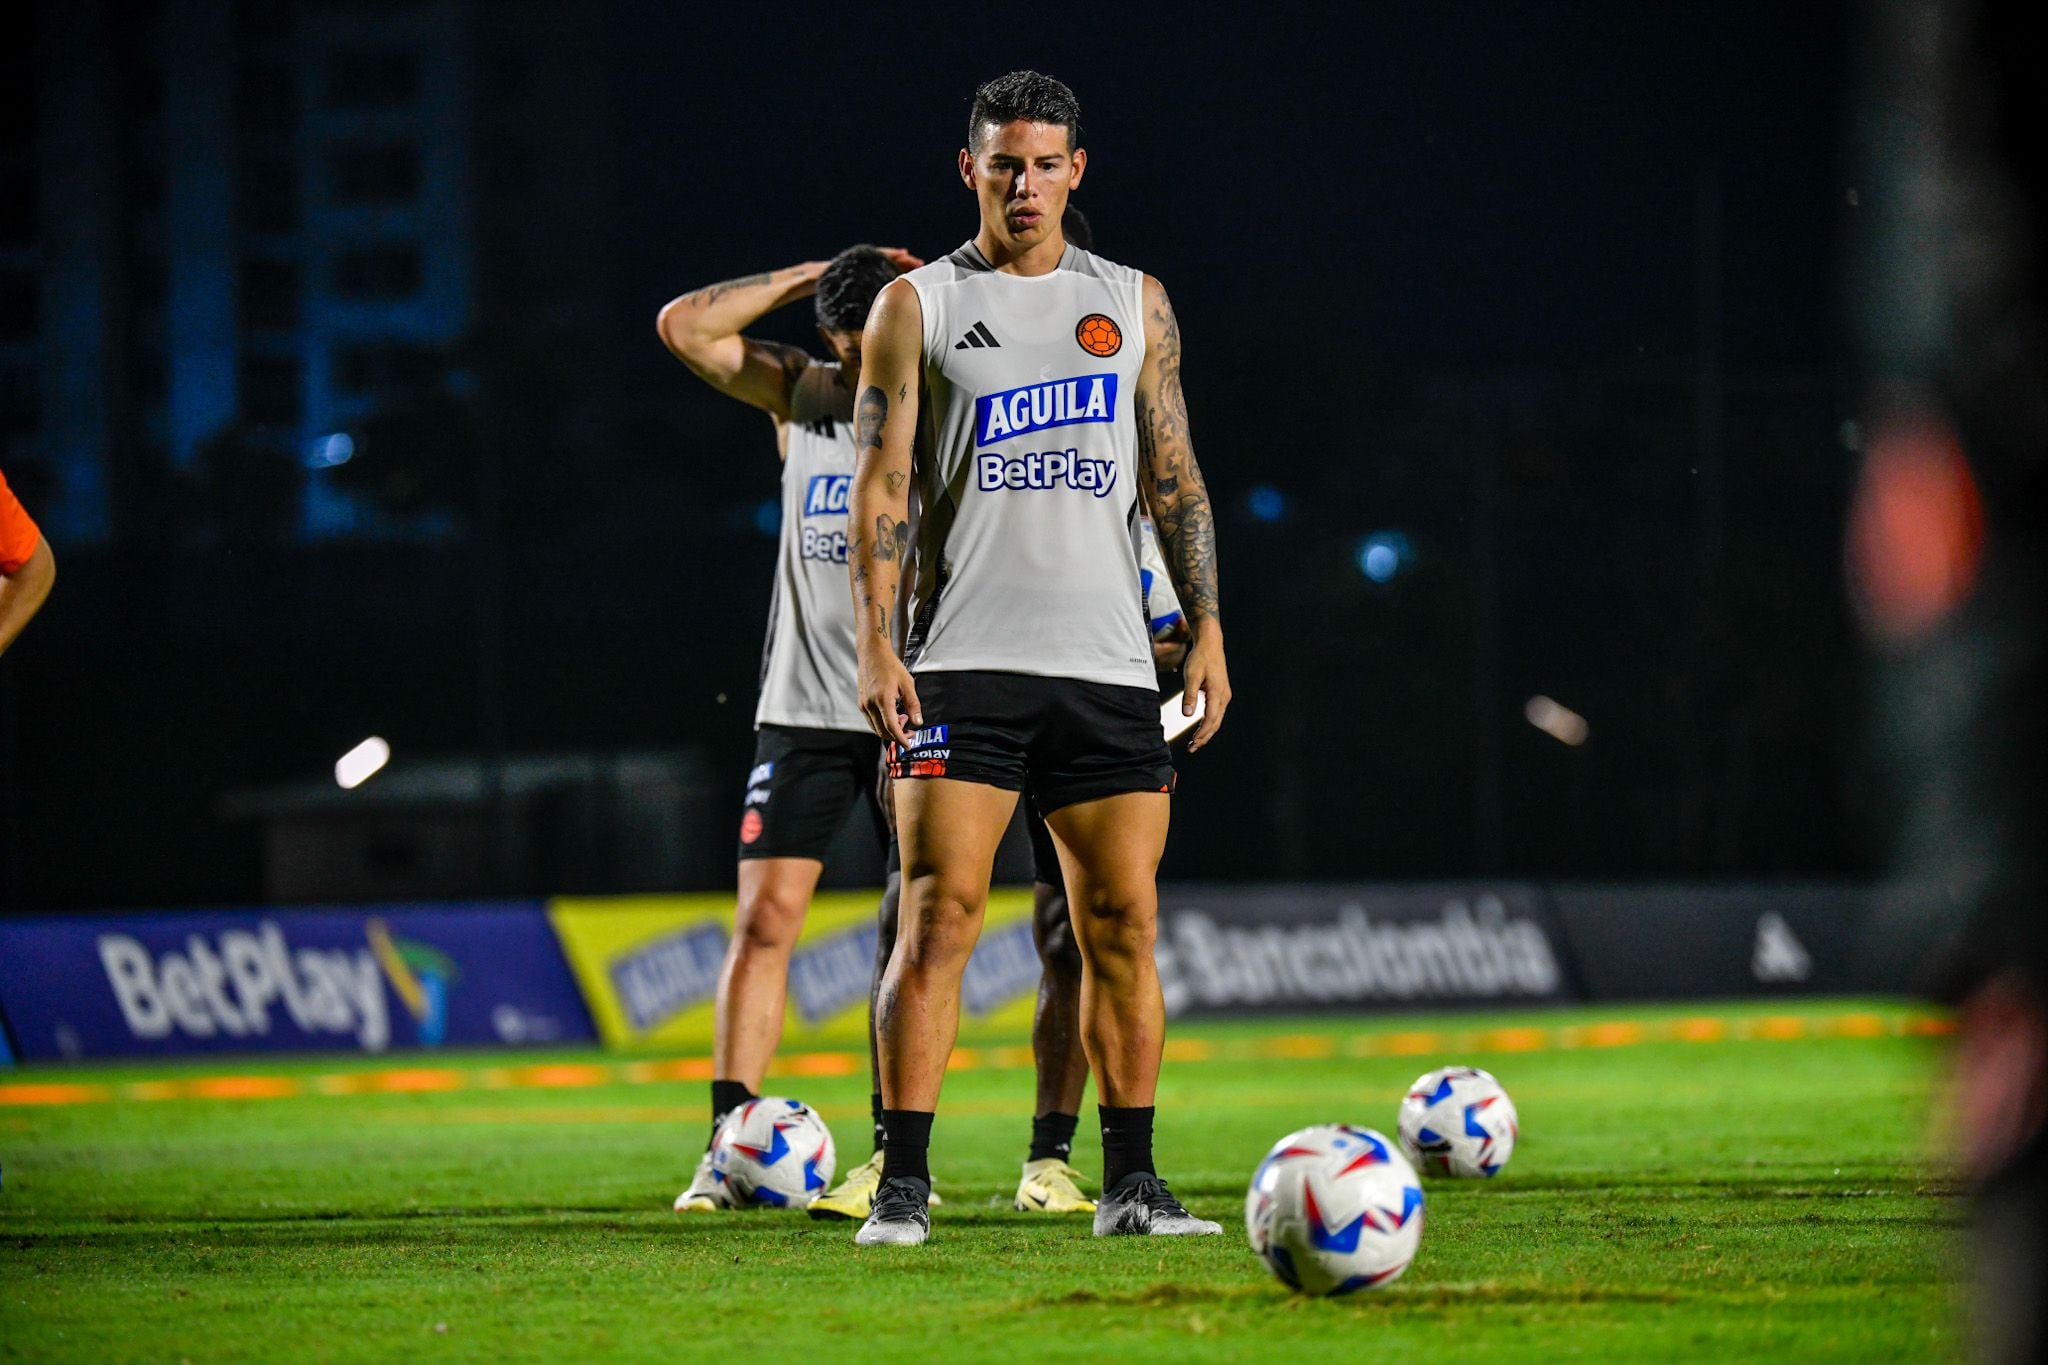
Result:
{"points": [[1045, 382], [815, 756]]}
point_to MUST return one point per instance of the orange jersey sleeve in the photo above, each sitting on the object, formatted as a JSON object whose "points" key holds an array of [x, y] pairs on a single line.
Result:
{"points": [[18, 535]]}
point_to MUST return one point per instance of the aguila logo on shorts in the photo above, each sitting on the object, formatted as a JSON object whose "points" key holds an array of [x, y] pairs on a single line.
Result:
{"points": [[1035, 407], [1098, 334], [924, 756]]}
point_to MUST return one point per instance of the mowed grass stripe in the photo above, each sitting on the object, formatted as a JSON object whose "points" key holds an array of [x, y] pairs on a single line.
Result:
{"points": [[1296, 1046]]}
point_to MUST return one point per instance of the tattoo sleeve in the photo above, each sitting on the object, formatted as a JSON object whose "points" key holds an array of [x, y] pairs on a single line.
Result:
{"points": [[876, 552], [1170, 478]]}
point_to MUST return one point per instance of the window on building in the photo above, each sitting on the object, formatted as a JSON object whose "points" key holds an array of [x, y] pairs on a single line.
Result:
{"points": [[270, 390], [391, 271], [267, 195], [377, 367], [371, 78], [269, 294], [375, 173]]}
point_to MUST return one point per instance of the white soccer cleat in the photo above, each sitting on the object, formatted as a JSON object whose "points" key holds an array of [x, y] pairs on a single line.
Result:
{"points": [[1051, 1186], [900, 1218], [1142, 1206], [707, 1192]]}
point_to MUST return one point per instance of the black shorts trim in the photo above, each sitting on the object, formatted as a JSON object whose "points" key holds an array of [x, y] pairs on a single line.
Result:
{"points": [[1064, 739], [801, 788]]}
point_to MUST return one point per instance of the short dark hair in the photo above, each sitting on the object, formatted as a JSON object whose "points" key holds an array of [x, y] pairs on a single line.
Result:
{"points": [[847, 289], [1026, 95], [1074, 227]]}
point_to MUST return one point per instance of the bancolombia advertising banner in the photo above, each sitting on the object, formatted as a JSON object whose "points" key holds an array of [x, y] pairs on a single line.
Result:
{"points": [[1233, 949], [363, 979], [649, 968]]}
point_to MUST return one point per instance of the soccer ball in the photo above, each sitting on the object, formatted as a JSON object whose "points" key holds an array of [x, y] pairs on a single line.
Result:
{"points": [[773, 1151], [1458, 1121], [1333, 1209]]}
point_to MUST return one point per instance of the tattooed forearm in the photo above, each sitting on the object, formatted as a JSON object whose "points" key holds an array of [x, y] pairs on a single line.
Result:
{"points": [[1173, 486], [712, 293]]}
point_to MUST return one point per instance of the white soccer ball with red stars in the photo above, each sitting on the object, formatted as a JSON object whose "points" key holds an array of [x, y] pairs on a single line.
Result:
{"points": [[1457, 1121], [1333, 1209], [775, 1152]]}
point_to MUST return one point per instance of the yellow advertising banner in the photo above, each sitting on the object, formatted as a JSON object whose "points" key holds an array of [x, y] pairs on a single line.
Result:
{"points": [[648, 967]]}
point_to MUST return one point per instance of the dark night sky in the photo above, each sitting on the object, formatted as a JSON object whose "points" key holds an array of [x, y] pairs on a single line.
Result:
{"points": [[1418, 184]]}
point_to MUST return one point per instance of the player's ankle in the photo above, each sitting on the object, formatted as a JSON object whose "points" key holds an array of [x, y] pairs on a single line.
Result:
{"points": [[906, 1144], [1126, 1142], [1052, 1136], [727, 1096]]}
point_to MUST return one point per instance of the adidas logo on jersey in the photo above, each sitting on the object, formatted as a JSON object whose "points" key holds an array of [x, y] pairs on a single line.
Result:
{"points": [[978, 337]]}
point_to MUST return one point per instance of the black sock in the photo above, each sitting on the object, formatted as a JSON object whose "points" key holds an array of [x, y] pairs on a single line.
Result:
{"points": [[726, 1096], [1126, 1143], [906, 1144], [875, 1108], [1052, 1136]]}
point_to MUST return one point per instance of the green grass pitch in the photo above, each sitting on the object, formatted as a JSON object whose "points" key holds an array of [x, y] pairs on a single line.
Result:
{"points": [[1750, 1198]]}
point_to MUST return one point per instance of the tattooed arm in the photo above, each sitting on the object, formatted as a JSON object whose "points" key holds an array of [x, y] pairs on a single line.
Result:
{"points": [[1171, 483], [877, 517], [702, 329]]}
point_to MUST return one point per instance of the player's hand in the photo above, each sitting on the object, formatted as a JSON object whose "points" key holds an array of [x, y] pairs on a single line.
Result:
{"points": [[901, 259], [1170, 651], [888, 695], [1208, 678]]}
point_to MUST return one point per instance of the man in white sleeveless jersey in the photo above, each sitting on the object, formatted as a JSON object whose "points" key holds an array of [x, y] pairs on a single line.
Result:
{"points": [[1031, 391], [815, 756]]}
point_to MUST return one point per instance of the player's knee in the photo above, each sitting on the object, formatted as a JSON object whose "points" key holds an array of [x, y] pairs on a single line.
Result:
{"points": [[1116, 923], [767, 923], [943, 930]]}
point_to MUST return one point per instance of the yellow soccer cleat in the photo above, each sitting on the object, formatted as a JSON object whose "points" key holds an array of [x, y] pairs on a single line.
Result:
{"points": [[854, 1197], [1052, 1186]]}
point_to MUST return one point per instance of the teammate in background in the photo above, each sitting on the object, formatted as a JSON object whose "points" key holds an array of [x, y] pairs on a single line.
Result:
{"points": [[815, 757], [1048, 1182], [27, 568], [1024, 662]]}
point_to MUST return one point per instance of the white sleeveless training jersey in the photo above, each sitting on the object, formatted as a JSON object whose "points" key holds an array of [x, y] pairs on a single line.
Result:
{"points": [[807, 665], [1027, 558]]}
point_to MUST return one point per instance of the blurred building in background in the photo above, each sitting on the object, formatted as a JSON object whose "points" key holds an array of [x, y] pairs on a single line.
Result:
{"points": [[246, 242]]}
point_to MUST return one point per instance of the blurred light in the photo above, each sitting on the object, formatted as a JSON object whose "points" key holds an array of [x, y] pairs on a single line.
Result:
{"points": [[1557, 720], [1266, 503], [329, 451], [768, 518], [1383, 554], [361, 763]]}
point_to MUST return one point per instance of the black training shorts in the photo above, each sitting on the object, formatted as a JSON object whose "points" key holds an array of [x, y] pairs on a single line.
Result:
{"points": [[1067, 740], [803, 784]]}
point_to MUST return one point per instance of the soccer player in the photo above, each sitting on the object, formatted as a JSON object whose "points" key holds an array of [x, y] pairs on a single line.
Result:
{"points": [[815, 756], [27, 568], [1045, 384], [1048, 1183]]}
